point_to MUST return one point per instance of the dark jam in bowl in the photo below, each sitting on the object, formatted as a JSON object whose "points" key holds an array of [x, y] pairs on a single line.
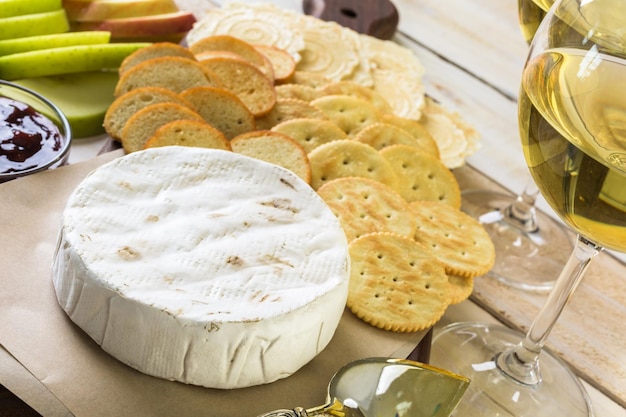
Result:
{"points": [[28, 139]]}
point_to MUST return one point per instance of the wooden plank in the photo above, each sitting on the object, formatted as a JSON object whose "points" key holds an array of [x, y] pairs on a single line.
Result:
{"points": [[481, 36]]}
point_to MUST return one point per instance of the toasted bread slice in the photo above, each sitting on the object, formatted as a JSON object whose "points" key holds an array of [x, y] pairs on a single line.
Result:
{"points": [[237, 46], [128, 104], [246, 81], [351, 88], [172, 72], [221, 109], [275, 148], [142, 125], [282, 62], [156, 50]]}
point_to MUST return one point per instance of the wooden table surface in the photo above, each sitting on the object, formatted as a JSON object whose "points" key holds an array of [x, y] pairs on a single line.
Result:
{"points": [[473, 53]]}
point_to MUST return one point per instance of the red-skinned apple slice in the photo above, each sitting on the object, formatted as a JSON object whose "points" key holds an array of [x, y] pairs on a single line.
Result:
{"points": [[95, 11], [142, 27]]}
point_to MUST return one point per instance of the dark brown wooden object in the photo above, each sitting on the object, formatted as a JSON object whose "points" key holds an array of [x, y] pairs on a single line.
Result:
{"points": [[378, 18]]}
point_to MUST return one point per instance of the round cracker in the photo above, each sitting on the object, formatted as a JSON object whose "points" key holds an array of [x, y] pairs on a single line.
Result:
{"points": [[425, 140], [287, 109], [351, 114], [348, 158], [460, 288], [309, 79], [297, 91], [422, 176], [366, 206], [351, 88], [382, 135], [310, 133], [404, 293], [457, 240]]}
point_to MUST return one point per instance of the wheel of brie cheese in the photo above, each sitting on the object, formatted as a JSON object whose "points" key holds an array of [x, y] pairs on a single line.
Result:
{"points": [[202, 266]]}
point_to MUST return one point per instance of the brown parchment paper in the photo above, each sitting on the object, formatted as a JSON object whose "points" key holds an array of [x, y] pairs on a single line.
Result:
{"points": [[17, 379], [35, 331]]}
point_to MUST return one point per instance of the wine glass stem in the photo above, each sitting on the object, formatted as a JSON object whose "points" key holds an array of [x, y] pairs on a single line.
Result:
{"points": [[522, 361], [521, 213]]}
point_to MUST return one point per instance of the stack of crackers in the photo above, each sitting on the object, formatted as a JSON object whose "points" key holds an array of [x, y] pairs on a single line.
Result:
{"points": [[381, 172]]}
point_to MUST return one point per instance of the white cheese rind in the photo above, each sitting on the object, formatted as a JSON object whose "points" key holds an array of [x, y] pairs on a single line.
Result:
{"points": [[202, 266]]}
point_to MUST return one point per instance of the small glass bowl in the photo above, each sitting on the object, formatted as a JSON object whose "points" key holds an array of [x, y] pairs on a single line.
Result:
{"points": [[49, 110]]}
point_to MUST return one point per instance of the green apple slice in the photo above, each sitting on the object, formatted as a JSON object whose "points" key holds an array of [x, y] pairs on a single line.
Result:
{"points": [[56, 40], [83, 97], [34, 24], [9, 8], [66, 60]]}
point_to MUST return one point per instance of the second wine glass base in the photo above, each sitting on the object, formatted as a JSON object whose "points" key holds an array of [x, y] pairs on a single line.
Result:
{"points": [[469, 349], [518, 253]]}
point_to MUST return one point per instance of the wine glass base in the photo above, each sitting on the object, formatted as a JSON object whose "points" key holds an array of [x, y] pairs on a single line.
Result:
{"points": [[519, 253], [469, 349]]}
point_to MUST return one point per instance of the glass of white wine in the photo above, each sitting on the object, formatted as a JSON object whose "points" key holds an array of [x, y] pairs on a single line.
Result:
{"points": [[522, 235], [572, 119]]}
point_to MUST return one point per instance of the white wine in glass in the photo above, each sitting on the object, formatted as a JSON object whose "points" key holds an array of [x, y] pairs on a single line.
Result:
{"points": [[530, 14], [523, 236], [572, 117], [572, 113]]}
